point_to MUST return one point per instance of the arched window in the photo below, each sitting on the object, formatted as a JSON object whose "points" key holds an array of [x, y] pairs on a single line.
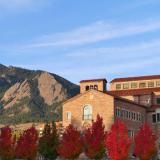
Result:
{"points": [[95, 87], [87, 88], [87, 112], [91, 87]]}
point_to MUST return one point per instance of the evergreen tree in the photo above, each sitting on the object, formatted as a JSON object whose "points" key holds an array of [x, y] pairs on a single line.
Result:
{"points": [[48, 142]]}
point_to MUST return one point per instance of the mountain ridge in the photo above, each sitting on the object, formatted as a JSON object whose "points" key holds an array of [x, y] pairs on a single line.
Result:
{"points": [[32, 95]]}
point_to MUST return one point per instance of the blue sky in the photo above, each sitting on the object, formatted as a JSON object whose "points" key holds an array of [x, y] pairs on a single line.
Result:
{"points": [[82, 39]]}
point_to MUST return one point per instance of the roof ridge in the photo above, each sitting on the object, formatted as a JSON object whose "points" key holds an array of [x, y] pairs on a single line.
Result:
{"points": [[99, 79], [134, 78], [135, 91]]}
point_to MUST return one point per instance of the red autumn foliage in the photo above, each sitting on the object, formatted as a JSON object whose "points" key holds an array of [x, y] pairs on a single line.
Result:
{"points": [[7, 143], [118, 142], [71, 143], [27, 144], [145, 143], [94, 140]]}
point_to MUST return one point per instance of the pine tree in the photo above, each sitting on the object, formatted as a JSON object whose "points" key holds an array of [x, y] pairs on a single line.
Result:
{"points": [[48, 142]]}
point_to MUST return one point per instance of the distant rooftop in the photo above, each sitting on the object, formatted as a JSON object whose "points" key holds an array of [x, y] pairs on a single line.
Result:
{"points": [[136, 78], [92, 80], [133, 92]]}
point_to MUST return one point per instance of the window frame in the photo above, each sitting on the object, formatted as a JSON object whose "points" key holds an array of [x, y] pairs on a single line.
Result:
{"points": [[154, 114], [120, 86], [134, 83], [87, 88], [124, 87], [158, 99], [141, 84], [158, 83], [91, 87], [87, 116], [95, 87], [149, 84], [69, 115]]}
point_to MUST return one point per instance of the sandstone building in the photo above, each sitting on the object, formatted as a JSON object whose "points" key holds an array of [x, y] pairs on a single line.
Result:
{"points": [[135, 100]]}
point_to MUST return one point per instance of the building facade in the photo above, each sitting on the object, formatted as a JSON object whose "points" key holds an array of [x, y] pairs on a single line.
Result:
{"points": [[135, 100]]}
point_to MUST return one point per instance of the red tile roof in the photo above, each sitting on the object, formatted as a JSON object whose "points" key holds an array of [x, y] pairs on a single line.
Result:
{"points": [[135, 78], [132, 92], [124, 99], [91, 80]]}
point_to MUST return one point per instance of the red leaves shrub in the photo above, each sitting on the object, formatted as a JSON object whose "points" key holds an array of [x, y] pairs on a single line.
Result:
{"points": [[7, 144], [94, 140], [27, 144], [145, 143], [71, 143], [118, 142]]}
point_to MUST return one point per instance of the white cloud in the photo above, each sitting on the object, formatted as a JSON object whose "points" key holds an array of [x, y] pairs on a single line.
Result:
{"points": [[144, 48], [96, 32], [122, 68]]}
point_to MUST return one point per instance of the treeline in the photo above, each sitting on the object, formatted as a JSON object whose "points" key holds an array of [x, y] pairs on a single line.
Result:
{"points": [[94, 142], [16, 115]]}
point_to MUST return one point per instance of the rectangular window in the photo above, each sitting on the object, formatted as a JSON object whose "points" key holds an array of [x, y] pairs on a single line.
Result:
{"points": [[118, 86], [117, 112], [158, 83], [158, 117], [122, 113], [129, 115], [133, 85], [158, 100], [132, 115], [69, 115], [153, 118], [137, 117], [125, 85], [150, 84], [131, 134], [126, 114], [142, 85]]}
